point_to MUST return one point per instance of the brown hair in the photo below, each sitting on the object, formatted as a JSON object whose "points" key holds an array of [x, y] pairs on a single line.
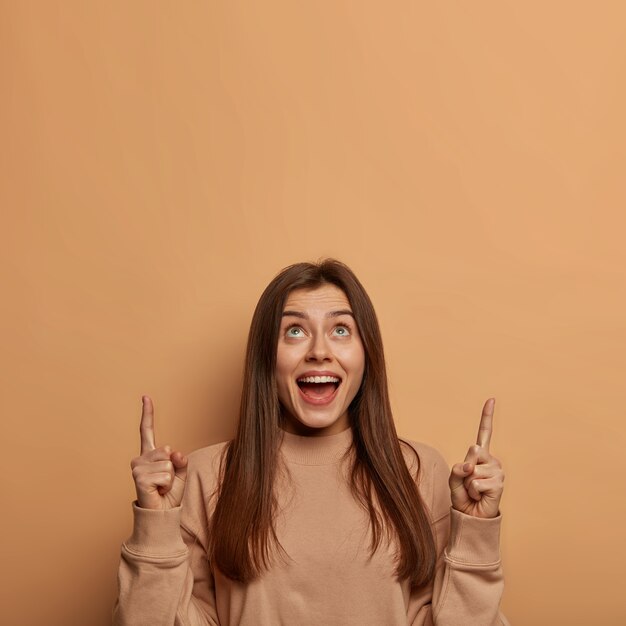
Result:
{"points": [[242, 527]]}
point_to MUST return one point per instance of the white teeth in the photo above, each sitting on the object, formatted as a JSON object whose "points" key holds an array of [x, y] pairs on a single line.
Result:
{"points": [[318, 379]]}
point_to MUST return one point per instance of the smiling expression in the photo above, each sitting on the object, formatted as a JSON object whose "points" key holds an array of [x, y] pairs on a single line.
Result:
{"points": [[320, 361]]}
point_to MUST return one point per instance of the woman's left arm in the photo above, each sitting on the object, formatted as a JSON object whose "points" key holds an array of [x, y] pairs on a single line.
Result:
{"points": [[473, 585], [476, 484], [468, 583]]}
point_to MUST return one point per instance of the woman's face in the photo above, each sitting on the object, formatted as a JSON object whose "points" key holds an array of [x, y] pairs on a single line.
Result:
{"points": [[320, 361]]}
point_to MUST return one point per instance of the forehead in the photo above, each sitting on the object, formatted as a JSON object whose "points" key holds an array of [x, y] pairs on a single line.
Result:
{"points": [[323, 298]]}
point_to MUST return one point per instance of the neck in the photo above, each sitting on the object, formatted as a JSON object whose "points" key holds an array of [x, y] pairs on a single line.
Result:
{"points": [[320, 450]]}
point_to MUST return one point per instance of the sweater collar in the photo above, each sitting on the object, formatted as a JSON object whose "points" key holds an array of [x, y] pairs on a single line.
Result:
{"points": [[315, 450]]}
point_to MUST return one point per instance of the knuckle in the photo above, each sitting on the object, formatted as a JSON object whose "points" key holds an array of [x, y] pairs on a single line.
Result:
{"points": [[474, 450]]}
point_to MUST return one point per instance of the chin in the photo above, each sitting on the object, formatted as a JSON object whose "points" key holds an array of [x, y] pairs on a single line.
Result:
{"points": [[317, 423]]}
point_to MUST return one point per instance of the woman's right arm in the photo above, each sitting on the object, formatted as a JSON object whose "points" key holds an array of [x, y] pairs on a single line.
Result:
{"points": [[164, 575]]}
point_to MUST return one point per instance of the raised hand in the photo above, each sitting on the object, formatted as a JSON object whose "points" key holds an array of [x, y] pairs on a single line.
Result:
{"points": [[476, 484], [159, 473]]}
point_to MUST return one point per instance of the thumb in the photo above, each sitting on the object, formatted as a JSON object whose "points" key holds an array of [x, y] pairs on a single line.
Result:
{"points": [[179, 460], [459, 472]]}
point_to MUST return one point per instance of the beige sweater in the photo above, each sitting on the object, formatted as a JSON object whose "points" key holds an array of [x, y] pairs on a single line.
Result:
{"points": [[329, 579]]}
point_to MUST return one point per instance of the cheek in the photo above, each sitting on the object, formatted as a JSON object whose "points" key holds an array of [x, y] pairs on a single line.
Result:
{"points": [[286, 361], [356, 356], [281, 376], [353, 360], [282, 383], [359, 365]]}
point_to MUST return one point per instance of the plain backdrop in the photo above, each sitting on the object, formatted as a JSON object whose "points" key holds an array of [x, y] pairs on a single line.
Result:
{"points": [[162, 161]]}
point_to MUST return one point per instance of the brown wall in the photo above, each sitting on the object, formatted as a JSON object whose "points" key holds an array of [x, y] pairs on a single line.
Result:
{"points": [[160, 162]]}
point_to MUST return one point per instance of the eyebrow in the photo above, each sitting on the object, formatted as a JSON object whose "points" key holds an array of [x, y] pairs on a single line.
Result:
{"points": [[304, 316]]}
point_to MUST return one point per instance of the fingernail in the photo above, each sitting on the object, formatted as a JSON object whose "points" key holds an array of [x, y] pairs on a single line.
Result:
{"points": [[467, 467]]}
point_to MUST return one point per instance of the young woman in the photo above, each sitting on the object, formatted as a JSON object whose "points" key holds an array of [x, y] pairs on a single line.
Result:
{"points": [[316, 513]]}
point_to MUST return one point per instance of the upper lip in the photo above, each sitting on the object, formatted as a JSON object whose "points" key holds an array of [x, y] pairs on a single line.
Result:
{"points": [[319, 373]]}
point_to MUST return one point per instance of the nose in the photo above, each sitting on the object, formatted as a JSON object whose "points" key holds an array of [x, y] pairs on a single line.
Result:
{"points": [[319, 350]]}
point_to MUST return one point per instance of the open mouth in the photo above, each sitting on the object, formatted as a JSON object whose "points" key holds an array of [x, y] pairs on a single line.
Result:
{"points": [[318, 388]]}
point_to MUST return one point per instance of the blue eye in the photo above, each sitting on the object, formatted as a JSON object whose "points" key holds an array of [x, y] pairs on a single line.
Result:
{"points": [[294, 331], [342, 331]]}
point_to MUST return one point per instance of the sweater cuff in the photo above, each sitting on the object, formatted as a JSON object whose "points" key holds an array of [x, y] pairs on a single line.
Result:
{"points": [[156, 532], [473, 540]]}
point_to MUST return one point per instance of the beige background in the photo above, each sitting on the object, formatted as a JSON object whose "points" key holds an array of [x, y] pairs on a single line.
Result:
{"points": [[160, 162]]}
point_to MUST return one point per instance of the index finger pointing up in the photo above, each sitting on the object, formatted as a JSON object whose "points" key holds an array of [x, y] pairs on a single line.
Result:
{"points": [[486, 424], [146, 427]]}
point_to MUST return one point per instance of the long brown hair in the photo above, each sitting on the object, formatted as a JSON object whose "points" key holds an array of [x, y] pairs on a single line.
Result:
{"points": [[242, 526]]}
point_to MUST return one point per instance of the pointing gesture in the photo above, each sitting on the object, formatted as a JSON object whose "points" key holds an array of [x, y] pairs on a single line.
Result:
{"points": [[159, 473], [486, 425], [146, 426], [476, 484]]}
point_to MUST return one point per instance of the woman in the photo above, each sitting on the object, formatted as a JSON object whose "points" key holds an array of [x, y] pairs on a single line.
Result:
{"points": [[316, 513]]}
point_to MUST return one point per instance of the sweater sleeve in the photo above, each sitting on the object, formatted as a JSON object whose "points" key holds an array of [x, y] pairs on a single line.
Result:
{"points": [[468, 583], [164, 576]]}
